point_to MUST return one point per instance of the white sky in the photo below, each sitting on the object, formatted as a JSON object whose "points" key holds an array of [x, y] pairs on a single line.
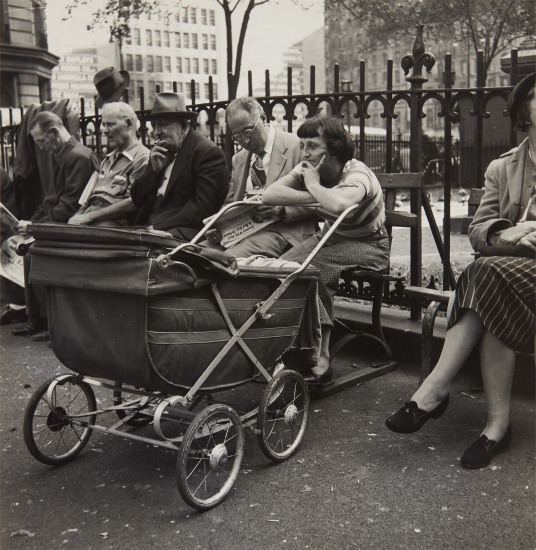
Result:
{"points": [[273, 27]]}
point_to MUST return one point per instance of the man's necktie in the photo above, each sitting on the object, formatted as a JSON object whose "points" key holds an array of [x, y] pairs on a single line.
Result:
{"points": [[257, 173]]}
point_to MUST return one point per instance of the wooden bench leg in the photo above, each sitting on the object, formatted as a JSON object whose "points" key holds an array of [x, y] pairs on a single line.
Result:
{"points": [[427, 338]]}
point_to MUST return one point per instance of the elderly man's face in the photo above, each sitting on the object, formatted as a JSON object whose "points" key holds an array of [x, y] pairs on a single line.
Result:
{"points": [[248, 130], [168, 133], [48, 141], [117, 129]]}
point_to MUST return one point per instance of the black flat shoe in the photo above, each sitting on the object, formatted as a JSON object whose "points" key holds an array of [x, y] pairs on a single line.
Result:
{"points": [[410, 418], [480, 452], [318, 379]]}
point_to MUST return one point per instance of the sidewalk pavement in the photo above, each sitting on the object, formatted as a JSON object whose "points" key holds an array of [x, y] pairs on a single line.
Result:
{"points": [[352, 484]]}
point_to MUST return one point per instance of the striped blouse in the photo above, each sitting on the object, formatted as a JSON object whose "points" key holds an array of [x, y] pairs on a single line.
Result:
{"points": [[370, 216]]}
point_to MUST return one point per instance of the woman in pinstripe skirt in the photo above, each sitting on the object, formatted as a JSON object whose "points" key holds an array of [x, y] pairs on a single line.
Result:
{"points": [[494, 305]]}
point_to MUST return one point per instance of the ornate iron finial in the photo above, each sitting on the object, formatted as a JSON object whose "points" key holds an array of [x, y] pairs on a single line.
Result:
{"points": [[418, 60]]}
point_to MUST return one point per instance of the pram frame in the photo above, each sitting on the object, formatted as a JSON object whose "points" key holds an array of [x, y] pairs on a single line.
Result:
{"points": [[256, 419]]}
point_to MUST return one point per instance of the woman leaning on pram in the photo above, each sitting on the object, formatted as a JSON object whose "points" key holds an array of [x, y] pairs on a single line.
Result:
{"points": [[329, 175]]}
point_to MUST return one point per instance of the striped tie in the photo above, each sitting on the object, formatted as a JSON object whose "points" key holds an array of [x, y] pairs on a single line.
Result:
{"points": [[257, 173]]}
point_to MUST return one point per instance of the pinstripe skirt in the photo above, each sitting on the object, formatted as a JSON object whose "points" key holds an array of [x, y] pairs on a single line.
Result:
{"points": [[338, 254], [502, 291]]}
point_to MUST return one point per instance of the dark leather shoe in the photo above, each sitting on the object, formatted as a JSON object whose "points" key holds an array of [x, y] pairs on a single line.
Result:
{"points": [[480, 452], [41, 336], [318, 379], [27, 329], [410, 418], [13, 315]]}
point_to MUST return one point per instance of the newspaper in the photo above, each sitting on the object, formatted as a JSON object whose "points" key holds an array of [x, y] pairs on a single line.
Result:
{"points": [[7, 217], [11, 264], [238, 223], [88, 190]]}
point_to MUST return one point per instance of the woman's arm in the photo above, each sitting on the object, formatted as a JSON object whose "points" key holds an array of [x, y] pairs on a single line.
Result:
{"points": [[287, 191]]}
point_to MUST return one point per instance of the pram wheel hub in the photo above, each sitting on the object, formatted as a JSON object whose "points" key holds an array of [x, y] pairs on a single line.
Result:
{"points": [[283, 414], [58, 420], [210, 456]]}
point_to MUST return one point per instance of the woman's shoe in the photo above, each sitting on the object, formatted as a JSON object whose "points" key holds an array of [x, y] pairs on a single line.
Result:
{"points": [[410, 418], [480, 452], [318, 379]]}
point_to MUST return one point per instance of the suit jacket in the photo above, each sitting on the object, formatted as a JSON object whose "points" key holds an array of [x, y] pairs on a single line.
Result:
{"points": [[286, 154], [197, 187], [504, 187], [73, 166]]}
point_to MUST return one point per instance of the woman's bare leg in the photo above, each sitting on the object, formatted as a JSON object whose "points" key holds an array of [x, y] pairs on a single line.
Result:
{"points": [[460, 340], [323, 359], [497, 362]]}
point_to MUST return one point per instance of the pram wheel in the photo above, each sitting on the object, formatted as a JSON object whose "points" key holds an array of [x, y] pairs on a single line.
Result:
{"points": [[210, 456], [283, 414], [56, 421], [136, 419]]}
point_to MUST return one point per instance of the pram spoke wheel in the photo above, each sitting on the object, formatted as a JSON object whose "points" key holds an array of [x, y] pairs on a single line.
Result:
{"points": [[283, 414], [210, 456], [51, 433]]}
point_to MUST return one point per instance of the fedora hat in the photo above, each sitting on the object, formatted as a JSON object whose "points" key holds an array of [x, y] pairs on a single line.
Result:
{"points": [[519, 94], [169, 104], [110, 84]]}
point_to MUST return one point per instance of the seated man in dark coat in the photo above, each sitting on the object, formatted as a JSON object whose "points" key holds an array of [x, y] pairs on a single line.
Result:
{"points": [[186, 179]]}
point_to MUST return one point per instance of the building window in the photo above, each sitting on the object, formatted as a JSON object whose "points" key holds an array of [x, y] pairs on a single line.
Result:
{"points": [[178, 64], [139, 63], [166, 39], [203, 17], [157, 39], [137, 37], [197, 90], [206, 69], [215, 90], [211, 17], [167, 64], [128, 40], [196, 65], [193, 15], [180, 87], [158, 66], [149, 37], [214, 67], [150, 63], [168, 86], [204, 41], [187, 65], [177, 40], [130, 62], [207, 95], [186, 40], [212, 42], [194, 41], [185, 15]]}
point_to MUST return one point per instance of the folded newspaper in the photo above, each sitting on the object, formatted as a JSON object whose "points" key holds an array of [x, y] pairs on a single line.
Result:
{"points": [[7, 217], [237, 223]]}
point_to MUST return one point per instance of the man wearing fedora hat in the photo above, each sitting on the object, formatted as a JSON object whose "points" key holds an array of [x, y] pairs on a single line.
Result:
{"points": [[186, 179], [110, 84]]}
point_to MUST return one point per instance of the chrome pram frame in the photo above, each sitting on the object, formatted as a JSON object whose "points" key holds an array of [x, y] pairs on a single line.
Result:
{"points": [[62, 413]]}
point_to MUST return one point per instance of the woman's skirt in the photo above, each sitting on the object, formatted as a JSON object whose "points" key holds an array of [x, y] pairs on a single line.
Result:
{"points": [[502, 291], [337, 255]]}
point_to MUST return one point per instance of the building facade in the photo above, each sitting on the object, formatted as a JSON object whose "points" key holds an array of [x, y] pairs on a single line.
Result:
{"points": [[180, 43], [25, 62]]}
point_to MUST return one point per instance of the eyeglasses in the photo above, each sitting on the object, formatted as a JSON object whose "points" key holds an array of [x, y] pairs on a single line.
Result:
{"points": [[311, 147], [245, 134]]}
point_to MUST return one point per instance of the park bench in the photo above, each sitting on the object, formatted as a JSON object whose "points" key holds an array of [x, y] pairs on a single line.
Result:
{"points": [[393, 185]]}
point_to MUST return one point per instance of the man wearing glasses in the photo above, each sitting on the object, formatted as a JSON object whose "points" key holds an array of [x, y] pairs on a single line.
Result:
{"points": [[267, 155]]}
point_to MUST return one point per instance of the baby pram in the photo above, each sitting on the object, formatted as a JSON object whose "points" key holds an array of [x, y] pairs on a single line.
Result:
{"points": [[164, 327]]}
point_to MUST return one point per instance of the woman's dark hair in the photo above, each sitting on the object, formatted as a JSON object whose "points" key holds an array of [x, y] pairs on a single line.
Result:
{"points": [[338, 140], [522, 113]]}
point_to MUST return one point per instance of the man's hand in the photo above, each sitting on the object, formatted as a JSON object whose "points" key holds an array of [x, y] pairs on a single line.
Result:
{"points": [[262, 213], [159, 157], [213, 236], [529, 241], [80, 219], [20, 228]]}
